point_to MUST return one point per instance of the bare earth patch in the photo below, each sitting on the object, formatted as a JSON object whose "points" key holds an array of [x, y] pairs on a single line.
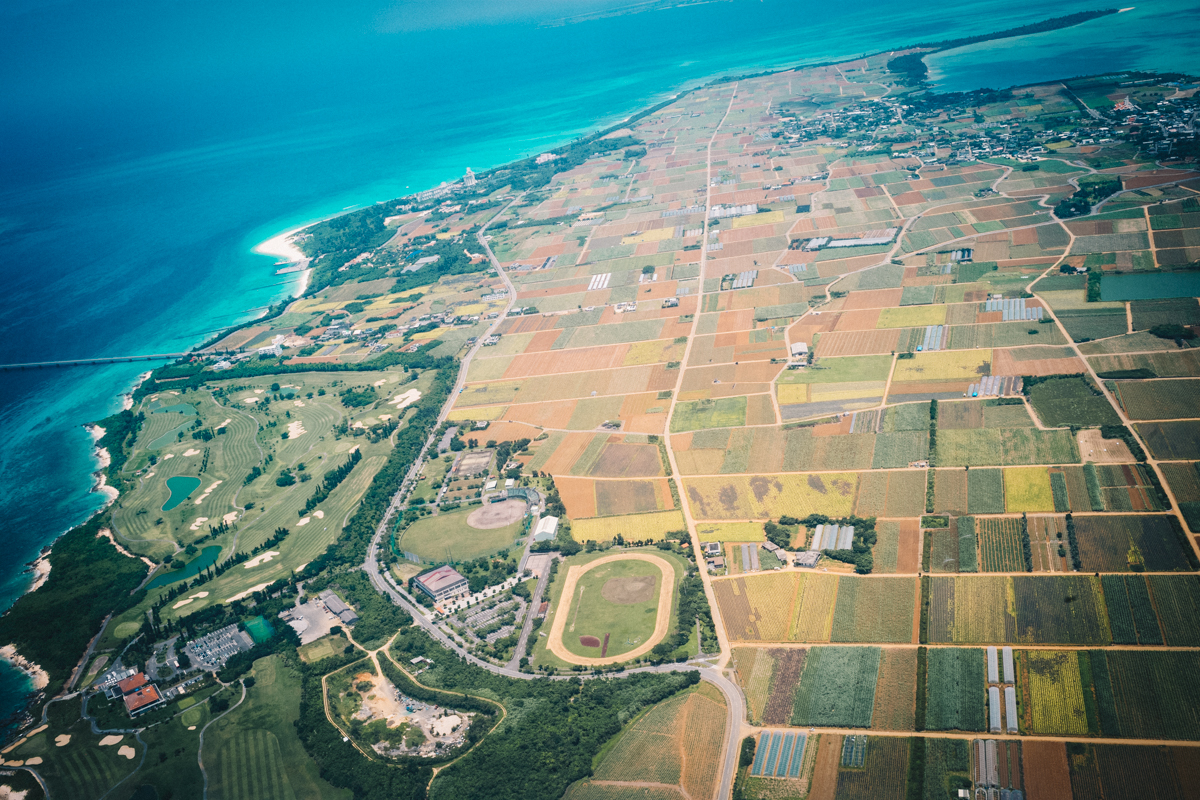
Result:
{"points": [[496, 515], [1093, 447], [628, 591]]}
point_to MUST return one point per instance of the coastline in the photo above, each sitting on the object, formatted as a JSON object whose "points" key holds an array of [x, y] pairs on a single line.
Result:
{"points": [[37, 676]]}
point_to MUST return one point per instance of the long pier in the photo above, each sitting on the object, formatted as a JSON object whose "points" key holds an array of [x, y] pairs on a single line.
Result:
{"points": [[92, 362]]}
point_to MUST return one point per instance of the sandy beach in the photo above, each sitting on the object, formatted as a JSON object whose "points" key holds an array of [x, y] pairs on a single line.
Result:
{"points": [[41, 572], [281, 246]]}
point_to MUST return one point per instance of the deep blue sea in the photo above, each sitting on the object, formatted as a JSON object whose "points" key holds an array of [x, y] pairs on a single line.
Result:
{"points": [[146, 147]]}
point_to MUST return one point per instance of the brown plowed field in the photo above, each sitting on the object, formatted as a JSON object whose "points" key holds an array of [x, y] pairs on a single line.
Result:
{"points": [[568, 452], [874, 298], [550, 414], [556, 362], [858, 343], [504, 431], [909, 557], [578, 495], [1004, 364], [1047, 776], [829, 755], [863, 320]]}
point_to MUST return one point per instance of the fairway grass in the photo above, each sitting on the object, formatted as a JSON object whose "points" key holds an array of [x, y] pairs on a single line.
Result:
{"points": [[253, 751]]}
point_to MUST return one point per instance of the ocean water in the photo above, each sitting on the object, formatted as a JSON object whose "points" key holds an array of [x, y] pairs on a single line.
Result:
{"points": [[146, 148]]}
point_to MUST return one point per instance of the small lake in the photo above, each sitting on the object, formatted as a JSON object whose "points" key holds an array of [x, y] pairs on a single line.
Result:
{"points": [[181, 486], [1150, 286], [208, 556]]}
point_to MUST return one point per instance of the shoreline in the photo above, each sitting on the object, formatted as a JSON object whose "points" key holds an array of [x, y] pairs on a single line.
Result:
{"points": [[37, 676]]}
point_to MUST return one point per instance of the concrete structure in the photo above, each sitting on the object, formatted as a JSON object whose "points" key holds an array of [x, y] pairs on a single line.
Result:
{"points": [[442, 583], [546, 530], [338, 608], [469, 178]]}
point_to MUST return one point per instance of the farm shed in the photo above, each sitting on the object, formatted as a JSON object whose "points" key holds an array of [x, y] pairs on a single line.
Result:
{"points": [[546, 530], [994, 709]]}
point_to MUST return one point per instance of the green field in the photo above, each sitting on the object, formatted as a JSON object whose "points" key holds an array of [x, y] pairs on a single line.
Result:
{"points": [[726, 412], [955, 695], [837, 687], [849, 369], [254, 751], [1071, 401], [448, 537], [618, 600]]}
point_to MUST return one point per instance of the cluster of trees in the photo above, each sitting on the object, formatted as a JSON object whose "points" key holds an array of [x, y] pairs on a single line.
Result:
{"points": [[779, 535], [330, 481], [120, 431], [693, 608], [859, 553], [357, 397], [89, 579]]}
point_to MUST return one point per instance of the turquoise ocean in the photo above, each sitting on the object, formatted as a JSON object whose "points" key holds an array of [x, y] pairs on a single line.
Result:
{"points": [[146, 148]]}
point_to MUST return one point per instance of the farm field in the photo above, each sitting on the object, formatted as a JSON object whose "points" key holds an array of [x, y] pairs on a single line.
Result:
{"points": [[955, 696], [1105, 543], [977, 610], [1163, 399], [676, 743], [1000, 544], [653, 525], [837, 687], [896, 690], [1071, 401], [763, 496], [874, 610], [1055, 691]]}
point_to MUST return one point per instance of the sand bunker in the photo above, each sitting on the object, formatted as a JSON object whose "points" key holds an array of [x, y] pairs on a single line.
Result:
{"points": [[207, 492], [127, 751], [296, 429], [193, 598], [261, 559], [110, 740], [250, 399], [248, 592], [168, 455], [191, 727], [226, 422], [298, 404], [62, 740], [199, 521], [33, 762], [302, 522], [357, 425], [496, 515], [384, 417], [191, 451], [319, 514], [230, 517], [379, 383], [259, 391], [404, 400]]}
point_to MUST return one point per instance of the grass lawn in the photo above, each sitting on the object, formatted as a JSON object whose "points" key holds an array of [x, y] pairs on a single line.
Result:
{"points": [[726, 412], [448, 537], [323, 648], [253, 751], [1071, 401]]}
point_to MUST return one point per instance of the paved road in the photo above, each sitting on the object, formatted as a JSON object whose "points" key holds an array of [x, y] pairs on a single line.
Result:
{"points": [[385, 584]]}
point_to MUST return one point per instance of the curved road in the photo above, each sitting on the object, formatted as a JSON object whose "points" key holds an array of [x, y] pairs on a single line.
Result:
{"points": [[386, 585]]}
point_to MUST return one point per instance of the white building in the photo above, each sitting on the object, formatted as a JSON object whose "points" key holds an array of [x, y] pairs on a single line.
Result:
{"points": [[546, 530]]}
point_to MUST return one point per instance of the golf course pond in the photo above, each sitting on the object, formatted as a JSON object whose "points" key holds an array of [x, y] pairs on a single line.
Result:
{"points": [[181, 486], [208, 556]]}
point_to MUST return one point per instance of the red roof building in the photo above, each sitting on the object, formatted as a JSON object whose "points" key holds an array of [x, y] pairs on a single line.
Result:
{"points": [[142, 699], [133, 682]]}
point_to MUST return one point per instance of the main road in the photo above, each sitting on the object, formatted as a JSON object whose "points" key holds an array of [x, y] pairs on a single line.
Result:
{"points": [[386, 585]]}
